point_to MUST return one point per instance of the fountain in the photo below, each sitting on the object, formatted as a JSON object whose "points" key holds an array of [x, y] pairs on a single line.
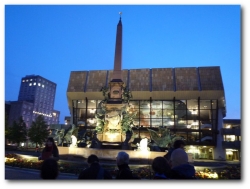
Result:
{"points": [[114, 121]]}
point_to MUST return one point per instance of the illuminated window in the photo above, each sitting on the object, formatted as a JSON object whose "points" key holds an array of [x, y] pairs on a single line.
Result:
{"points": [[43, 86], [39, 84], [30, 84], [23, 80], [229, 138], [34, 83]]}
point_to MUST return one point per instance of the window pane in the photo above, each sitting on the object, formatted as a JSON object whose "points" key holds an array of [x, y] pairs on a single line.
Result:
{"points": [[169, 105], [156, 122], [91, 103]]}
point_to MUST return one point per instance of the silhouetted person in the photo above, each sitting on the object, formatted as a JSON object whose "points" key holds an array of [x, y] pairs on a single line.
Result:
{"points": [[177, 144], [180, 167], [161, 168], [49, 169], [95, 143], [95, 170], [125, 144], [50, 150], [122, 161]]}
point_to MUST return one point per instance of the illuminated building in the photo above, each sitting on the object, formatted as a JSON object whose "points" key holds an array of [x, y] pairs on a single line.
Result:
{"points": [[36, 97], [190, 101]]}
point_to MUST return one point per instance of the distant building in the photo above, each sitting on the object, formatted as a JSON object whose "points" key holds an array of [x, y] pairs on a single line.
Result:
{"points": [[36, 97], [67, 120], [231, 138], [7, 108]]}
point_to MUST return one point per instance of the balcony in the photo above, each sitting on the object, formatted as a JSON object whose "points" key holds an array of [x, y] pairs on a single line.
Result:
{"points": [[231, 144], [236, 132]]}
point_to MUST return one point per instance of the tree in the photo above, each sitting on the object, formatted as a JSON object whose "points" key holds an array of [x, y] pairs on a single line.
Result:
{"points": [[38, 131], [6, 126], [17, 133]]}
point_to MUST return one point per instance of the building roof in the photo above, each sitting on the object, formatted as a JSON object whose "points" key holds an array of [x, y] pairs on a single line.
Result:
{"points": [[157, 83]]}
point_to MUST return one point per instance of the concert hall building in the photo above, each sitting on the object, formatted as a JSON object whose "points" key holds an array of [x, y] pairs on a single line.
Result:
{"points": [[190, 101]]}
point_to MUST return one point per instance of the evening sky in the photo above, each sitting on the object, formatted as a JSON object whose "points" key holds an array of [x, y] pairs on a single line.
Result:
{"points": [[53, 40]]}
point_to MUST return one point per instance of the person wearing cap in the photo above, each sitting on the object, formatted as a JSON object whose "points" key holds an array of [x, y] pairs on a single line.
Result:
{"points": [[95, 170]]}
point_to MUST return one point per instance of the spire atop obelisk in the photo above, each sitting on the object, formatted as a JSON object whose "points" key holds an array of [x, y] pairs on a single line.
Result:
{"points": [[118, 51]]}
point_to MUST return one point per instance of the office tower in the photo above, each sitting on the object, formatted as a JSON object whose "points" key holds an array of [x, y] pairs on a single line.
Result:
{"points": [[36, 97]]}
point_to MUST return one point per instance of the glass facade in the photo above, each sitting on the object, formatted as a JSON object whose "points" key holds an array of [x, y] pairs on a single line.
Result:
{"points": [[195, 120]]}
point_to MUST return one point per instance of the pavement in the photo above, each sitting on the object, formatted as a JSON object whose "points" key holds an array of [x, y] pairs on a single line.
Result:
{"points": [[16, 173]]}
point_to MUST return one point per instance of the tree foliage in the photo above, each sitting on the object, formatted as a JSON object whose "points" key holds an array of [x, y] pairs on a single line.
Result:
{"points": [[38, 131], [6, 125], [17, 133], [163, 137], [127, 121]]}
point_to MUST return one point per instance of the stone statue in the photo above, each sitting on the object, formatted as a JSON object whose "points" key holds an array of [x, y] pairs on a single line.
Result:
{"points": [[100, 122], [60, 136], [95, 143], [68, 134], [127, 121], [74, 141], [163, 137], [126, 95], [105, 93], [113, 119]]}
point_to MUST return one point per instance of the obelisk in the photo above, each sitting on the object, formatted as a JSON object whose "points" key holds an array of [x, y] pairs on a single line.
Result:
{"points": [[118, 51], [116, 83]]}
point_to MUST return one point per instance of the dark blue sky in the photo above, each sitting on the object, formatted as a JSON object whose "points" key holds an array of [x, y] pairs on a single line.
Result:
{"points": [[51, 41]]}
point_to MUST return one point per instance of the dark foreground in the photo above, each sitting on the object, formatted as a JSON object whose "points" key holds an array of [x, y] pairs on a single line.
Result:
{"points": [[16, 173]]}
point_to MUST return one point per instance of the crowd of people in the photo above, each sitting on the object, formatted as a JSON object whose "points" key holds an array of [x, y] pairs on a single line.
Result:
{"points": [[173, 165]]}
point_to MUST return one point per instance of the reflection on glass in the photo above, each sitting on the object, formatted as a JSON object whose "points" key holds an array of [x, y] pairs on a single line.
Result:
{"points": [[145, 122], [168, 105], [136, 122], [91, 103], [192, 104], [156, 122], [134, 103], [180, 105], [156, 104], [145, 113], [168, 122], [205, 104], [91, 121], [90, 114], [145, 104]]}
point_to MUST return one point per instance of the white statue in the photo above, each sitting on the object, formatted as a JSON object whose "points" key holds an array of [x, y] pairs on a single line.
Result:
{"points": [[143, 146], [74, 141]]}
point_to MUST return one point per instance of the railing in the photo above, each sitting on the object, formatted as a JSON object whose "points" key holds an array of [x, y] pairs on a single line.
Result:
{"points": [[231, 144], [236, 132]]}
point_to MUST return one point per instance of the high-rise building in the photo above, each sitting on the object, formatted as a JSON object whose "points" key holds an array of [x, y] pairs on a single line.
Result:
{"points": [[36, 97]]}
